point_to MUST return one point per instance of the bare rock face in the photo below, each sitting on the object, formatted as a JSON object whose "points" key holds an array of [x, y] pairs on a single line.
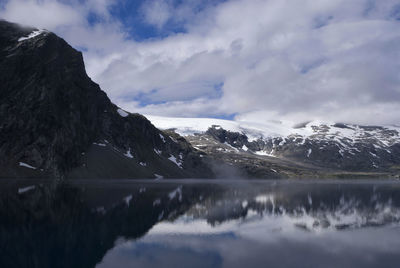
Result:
{"points": [[56, 122]]}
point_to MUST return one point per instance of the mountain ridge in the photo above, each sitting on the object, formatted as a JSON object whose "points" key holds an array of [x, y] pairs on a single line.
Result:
{"points": [[326, 148]]}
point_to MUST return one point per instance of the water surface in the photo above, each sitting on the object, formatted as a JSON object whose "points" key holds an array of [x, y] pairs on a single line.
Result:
{"points": [[194, 223]]}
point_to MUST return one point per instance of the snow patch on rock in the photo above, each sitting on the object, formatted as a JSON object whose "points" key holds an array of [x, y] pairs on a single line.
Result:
{"points": [[100, 144], [162, 138], [122, 113], [128, 153], [175, 161], [264, 153], [31, 35], [22, 164], [26, 189]]}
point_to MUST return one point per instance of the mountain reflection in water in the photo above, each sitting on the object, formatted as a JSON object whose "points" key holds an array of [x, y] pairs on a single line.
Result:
{"points": [[200, 224]]}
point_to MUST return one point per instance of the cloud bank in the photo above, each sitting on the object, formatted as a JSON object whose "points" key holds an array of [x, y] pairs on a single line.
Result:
{"points": [[257, 60]]}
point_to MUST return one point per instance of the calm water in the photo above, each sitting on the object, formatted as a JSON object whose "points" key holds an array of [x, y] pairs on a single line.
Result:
{"points": [[200, 224]]}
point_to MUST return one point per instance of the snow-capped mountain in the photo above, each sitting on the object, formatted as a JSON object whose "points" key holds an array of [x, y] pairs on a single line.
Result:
{"points": [[336, 146]]}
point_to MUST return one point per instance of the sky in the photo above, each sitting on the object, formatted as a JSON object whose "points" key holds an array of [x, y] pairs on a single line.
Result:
{"points": [[252, 60]]}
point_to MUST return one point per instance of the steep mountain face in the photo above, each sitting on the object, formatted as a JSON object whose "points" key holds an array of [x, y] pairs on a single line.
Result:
{"points": [[56, 122], [312, 149]]}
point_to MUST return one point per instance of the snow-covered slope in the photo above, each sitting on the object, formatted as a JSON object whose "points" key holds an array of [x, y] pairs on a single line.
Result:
{"points": [[388, 135], [189, 126]]}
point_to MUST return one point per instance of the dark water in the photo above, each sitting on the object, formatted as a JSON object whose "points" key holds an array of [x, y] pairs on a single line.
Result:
{"points": [[199, 224]]}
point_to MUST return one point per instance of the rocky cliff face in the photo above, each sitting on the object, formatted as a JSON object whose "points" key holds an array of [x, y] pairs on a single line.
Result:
{"points": [[56, 122]]}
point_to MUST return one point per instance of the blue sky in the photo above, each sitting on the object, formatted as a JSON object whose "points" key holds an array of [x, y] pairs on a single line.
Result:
{"points": [[253, 60], [130, 14]]}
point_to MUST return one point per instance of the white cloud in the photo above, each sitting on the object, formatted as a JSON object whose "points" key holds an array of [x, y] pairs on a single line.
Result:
{"points": [[42, 14], [334, 60], [156, 12]]}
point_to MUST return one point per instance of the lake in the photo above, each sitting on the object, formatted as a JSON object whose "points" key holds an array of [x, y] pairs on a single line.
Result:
{"points": [[200, 223]]}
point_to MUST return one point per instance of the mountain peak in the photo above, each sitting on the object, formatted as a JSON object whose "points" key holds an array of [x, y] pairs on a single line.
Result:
{"points": [[53, 118]]}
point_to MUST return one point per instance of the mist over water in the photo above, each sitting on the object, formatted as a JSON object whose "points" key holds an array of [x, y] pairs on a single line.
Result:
{"points": [[194, 223]]}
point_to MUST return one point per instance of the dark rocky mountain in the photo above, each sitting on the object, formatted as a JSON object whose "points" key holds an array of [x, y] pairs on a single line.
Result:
{"points": [[56, 122]]}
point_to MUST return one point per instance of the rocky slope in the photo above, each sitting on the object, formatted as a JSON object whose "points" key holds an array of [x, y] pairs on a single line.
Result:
{"points": [[56, 122], [276, 149]]}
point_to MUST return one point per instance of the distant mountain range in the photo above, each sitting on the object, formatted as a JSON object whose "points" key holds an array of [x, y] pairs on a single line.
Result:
{"points": [[55, 122], [277, 149]]}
